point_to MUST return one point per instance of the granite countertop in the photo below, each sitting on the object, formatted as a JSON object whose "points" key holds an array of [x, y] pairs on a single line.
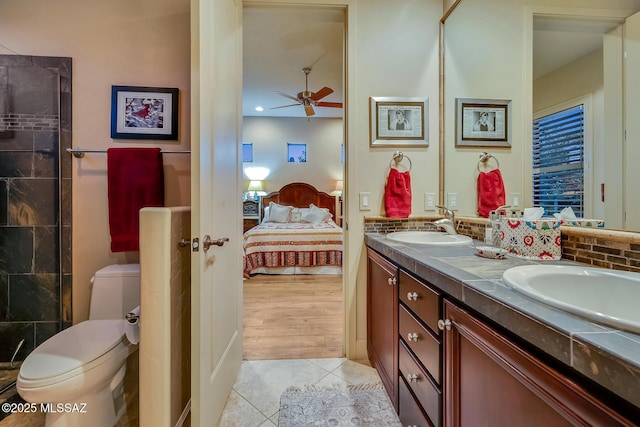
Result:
{"points": [[607, 356]]}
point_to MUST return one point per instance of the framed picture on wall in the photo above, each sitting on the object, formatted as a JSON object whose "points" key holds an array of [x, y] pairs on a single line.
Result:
{"points": [[144, 112], [398, 121], [483, 122]]}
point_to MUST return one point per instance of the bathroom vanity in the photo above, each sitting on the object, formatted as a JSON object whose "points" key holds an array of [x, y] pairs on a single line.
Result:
{"points": [[455, 347]]}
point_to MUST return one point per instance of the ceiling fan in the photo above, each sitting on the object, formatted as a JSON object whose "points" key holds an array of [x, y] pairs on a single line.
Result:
{"points": [[309, 99]]}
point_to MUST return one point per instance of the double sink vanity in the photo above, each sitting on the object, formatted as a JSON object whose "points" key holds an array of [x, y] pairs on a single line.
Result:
{"points": [[457, 342]]}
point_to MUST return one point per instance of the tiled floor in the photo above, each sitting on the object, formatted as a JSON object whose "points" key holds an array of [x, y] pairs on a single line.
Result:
{"points": [[255, 397]]}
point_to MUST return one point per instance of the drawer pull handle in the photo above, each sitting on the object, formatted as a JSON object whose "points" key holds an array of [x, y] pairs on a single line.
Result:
{"points": [[412, 336], [412, 378], [412, 296], [444, 324], [392, 280]]}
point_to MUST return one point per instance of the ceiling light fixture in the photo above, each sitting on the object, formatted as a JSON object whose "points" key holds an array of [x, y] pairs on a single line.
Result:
{"points": [[259, 108]]}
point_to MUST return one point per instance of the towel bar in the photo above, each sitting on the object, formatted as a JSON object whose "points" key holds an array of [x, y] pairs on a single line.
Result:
{"points": [[78, 153]]}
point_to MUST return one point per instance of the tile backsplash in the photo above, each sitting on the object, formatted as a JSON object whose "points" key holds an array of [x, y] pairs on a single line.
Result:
{"points": [[618, 250]]}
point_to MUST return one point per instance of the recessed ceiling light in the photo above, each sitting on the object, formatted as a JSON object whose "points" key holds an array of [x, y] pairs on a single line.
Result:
{"points": [[259, 108]]}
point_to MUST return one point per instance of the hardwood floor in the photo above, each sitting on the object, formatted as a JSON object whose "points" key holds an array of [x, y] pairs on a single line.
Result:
{"points": [[293, 317]]}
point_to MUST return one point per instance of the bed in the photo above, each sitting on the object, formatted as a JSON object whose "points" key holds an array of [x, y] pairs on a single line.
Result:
{"points": [[297, 234]]}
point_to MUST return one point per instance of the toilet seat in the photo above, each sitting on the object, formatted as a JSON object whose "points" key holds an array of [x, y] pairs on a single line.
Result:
{"points": [[72, 352]]}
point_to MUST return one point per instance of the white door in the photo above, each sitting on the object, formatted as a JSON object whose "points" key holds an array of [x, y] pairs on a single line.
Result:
{"points": [[216, 90], [632, 124]]}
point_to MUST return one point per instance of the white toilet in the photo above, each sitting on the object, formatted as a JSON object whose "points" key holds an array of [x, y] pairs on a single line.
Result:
{"points": [[79, 372]]}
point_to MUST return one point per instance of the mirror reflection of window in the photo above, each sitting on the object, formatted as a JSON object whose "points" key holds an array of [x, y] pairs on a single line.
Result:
{"points": [[558, 161]]}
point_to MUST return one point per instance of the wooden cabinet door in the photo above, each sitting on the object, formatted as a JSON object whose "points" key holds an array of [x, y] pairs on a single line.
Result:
{"points": [[382, 320], [490, 381]]}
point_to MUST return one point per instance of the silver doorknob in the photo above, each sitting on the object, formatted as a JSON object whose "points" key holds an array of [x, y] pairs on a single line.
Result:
{"points": [[412, 336], [392, 280], [412, 378], [207, 242], [412, 296]]}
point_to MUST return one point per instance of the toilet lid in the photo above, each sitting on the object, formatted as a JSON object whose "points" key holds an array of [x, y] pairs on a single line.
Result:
{"points": [[72, 348]]}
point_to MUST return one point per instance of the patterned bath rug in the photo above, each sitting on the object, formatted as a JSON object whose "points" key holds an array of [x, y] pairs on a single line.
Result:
{"points": [[355, 405]]}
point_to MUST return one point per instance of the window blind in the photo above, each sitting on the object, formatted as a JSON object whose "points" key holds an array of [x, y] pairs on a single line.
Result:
{"points": [[558, 161]]}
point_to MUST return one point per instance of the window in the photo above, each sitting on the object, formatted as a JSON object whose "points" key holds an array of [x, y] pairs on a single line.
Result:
{"points": [[247, 152], [558, 160], [297, 153]]}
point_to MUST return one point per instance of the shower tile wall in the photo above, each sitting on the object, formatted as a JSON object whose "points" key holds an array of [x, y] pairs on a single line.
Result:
{"points": [[35, 200]]}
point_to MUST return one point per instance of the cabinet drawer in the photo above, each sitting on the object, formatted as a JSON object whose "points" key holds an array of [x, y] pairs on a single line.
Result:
{"points": [[428, 394], [409, 411], [423, 344], [422, 300]]}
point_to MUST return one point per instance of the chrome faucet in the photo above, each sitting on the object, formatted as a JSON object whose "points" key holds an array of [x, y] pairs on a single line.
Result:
{"points": [[448, 222]]}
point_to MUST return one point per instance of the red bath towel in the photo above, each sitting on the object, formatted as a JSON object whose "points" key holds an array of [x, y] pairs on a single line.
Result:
{"points": [[135, 179], [397, 194], [490, 192]]}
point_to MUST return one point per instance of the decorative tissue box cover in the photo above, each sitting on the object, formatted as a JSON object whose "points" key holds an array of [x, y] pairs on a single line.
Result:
{"points": [[539, 239], [591, 223]]}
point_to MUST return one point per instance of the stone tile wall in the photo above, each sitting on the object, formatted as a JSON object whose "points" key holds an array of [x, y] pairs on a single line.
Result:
{"points": [[35, 200]]}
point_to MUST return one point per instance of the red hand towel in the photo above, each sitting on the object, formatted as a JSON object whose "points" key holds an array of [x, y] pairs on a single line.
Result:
{"points": [[490, 192], [135, 179], [397, 194]]}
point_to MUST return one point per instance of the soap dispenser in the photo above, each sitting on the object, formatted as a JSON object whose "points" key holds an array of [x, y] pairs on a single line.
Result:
{"points": [[493, 231]]}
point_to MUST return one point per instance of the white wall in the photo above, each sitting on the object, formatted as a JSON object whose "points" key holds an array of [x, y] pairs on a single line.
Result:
{"points": [[270, 135]]}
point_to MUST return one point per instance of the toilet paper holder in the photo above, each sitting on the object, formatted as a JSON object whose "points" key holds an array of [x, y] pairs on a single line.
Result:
{"points": [[132, 318]]}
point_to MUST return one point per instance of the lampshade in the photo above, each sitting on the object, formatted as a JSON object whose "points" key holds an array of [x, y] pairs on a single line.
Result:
{"points": [[338, 189], [255, 186]]}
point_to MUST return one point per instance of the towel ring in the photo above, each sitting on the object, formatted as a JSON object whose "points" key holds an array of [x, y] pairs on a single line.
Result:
{"points": [[484, 158], [398, 156]]}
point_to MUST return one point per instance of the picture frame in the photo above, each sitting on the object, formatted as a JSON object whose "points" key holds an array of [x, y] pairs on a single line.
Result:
{"points": [[139, 112], [399, 122], [483, 122]]}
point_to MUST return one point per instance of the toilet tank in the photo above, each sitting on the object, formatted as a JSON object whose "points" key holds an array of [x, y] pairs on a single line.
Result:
{"points": [[115, 291]]}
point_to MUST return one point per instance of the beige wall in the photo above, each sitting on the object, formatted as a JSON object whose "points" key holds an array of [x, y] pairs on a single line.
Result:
{"points": [[392, 51], [488, 56], [270, 135], [119, 42], [570, 83]]}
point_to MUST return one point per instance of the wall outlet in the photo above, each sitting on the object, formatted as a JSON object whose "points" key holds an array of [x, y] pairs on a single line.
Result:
{"points": [[365, 201], [429, 201], [515, 200], [452, 201]]}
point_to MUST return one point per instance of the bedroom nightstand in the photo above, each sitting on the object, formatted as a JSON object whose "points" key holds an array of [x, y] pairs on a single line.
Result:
{"points": [[250, 214]]}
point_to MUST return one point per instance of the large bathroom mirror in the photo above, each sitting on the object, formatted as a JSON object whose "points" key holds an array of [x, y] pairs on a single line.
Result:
{"points": [[551, 60]]}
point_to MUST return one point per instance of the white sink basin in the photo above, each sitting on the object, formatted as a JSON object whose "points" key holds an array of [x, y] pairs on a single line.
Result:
{"points": [[430, 238], [604, 296]]}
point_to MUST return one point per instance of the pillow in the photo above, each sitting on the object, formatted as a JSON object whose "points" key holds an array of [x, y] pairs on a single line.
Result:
{"points": [[278, 213], [316, 215], [266, 215], [296, 215]]}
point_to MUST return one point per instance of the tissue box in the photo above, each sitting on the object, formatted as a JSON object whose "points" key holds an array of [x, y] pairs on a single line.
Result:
{"points": [[537, 239], [581, 222]]}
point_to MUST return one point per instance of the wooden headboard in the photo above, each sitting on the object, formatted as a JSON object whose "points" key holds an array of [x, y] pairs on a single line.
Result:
{"points": [[300, 195]]}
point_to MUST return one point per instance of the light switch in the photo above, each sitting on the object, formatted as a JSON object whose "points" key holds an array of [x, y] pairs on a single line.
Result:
{"points": [[364, 201], [515, 200]]}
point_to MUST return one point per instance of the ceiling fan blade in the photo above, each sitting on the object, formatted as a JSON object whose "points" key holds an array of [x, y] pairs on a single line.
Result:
{"points": [[309, 110], [322, 93], [286, 95], [329, 104], [284, 106]]}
